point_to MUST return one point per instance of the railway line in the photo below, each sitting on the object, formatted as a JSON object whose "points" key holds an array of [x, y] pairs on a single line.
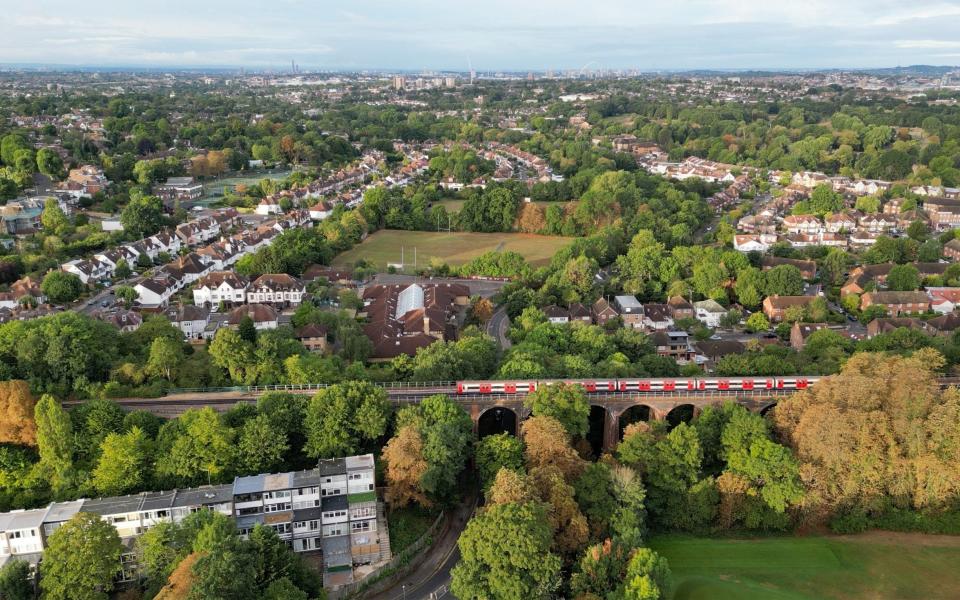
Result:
{"points": [[490, 392]]}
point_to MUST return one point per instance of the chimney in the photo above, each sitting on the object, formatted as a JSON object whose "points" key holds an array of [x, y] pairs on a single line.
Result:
{"points": [[426, 324]]}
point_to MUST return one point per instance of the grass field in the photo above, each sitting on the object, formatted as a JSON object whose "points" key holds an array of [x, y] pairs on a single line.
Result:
{"points": [[454, 248], [213, 190], [867, 567]]}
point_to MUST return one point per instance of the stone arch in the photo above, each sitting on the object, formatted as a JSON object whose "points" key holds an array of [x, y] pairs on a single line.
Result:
{"points": [[497, 419], [634, 414], [681, 413]]}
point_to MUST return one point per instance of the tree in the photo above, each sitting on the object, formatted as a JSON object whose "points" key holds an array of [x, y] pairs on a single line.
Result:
{"points": [[226, 572], [165, 357], [17, 407], [81, 559], [49, 163], [510, 486], [53, 218], [126, 294], [121, 272], [122, 463], [202, 446], [783, 280], [868, 204], [61, 287], [824, 200], [505, 553], [648, 576], [247, 329], [283, 589], [757, 322], [566, 403], [903, 278], [262, 445], [548, 443], [54, 438], [569, 525], [405, 468], [496, 452], [447, 434], [343, 416], [595, 495], [142, 216], [602, 570], [15, 581]]}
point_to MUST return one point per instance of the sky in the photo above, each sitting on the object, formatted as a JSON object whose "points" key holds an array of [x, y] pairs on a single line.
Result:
{"points": [[490, 35]]}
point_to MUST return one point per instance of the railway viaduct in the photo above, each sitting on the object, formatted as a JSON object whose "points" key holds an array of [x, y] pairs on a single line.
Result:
{"points": [[492, 413]]}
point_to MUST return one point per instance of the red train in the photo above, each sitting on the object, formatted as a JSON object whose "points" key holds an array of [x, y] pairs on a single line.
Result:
{"points": [[599, 386]]}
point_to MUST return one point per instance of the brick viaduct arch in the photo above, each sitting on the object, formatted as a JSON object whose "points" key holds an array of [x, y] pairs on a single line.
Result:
{"points": [[618, 413]]}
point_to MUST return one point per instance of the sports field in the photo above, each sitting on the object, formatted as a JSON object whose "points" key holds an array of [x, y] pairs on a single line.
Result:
{"points": [[871, 566], [454, 248]]}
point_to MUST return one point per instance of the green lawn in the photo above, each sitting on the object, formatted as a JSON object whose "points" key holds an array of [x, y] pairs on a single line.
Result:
{"points": [[454, 248], [898, 567]]}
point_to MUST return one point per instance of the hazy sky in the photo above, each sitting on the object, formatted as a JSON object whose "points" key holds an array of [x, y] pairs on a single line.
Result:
{"points": [[497, 34]]}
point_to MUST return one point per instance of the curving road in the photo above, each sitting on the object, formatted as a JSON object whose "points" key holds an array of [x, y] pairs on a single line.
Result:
{"points": [[497, 327]]}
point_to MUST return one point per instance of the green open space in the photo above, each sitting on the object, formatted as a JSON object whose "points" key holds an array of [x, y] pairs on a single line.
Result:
{"points": [[213, 188], [882, 566], [407, 525], [454, 248]]}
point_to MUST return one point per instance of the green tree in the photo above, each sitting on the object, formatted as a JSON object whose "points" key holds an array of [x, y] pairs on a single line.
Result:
{"points": [[783, 280], [81, 559], [247, 329], [142, 216], [54, 438], [566, 403], [343, 417], [53, 218], [262, 445], [122, 464], [903, 278], [505, 553], [495, 452], [60, 286], [126, 294], [757, 322], [122, 271], [165, 358], [202, 450], [648, 576], [49, 163], [15, 581]]}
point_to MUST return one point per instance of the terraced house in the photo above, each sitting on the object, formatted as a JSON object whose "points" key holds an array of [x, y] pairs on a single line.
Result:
{"points": [[332, 509]]}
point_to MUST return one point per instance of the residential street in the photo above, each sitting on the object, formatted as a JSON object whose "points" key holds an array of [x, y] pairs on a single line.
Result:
{"points": [[497, 327], [431, 580]]}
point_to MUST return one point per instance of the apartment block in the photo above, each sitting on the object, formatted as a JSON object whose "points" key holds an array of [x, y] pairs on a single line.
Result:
{"points": [[332, 508]]}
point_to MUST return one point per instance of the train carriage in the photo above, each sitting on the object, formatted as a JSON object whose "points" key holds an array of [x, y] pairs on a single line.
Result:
{"points": [[600, 386]]}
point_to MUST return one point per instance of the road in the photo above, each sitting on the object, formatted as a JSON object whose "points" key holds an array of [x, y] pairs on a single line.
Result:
{"points": [[431, 580], [497, 327]]}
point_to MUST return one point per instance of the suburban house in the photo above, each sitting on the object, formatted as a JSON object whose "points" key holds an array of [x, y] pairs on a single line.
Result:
{"points": [[579, 312], [657, 317], [27, 286], [807, 224], [680, 308], [320, 211], [839, 223], [897, 303], [556, 314], [753, 243], [191, 320], [714, 350], [313, 337], [943, 300], [88, 270], [22, 216], [263, 316], [889, 324], [631, 311], [220, 286], [775, 307], [952, 249], [603, 311], [124, 320], [404, 318], [278, 289], [178, 188], [269, 206], [154, 292], [878, 223], [674, 344], [709, 312]]}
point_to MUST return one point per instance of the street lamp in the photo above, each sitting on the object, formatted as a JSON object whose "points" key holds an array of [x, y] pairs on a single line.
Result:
{"points": [[404, 588]]}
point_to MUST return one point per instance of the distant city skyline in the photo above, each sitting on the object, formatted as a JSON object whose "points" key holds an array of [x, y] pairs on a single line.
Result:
{"points": [[489, 36]]}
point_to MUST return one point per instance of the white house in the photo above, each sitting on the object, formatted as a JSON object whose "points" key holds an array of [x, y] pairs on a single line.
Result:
{"points": [[269, 206], [278, 289], [709, 312], [220, 286], [320, 211], [750, 243]]}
